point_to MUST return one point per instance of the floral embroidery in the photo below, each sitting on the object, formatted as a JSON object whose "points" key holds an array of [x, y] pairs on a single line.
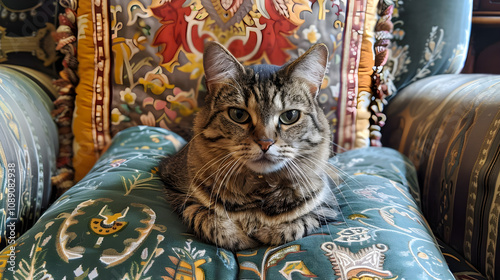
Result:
{"points": [[128, 96], [311, 34], [432, 52], [116, 116]]}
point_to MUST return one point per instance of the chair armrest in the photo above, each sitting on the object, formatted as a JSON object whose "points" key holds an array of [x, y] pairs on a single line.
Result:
{"points": [[449, 127], [28, 149]]}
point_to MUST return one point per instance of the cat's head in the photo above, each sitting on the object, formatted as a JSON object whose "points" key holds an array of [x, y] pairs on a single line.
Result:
{"points": [[265, 116]]}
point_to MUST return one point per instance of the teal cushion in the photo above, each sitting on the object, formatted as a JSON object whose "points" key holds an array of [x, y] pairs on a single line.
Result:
{"points": [[115, 223]]}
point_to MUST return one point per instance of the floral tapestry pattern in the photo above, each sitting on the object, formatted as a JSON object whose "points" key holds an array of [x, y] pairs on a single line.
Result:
{"points": [[158, 52]]}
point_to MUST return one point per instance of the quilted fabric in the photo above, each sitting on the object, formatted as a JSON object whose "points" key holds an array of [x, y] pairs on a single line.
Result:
{"points": [[449, 127], [115, 223], [28, 148], [153, 53]]}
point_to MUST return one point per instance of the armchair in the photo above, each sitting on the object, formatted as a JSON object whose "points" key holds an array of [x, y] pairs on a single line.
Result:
{"points": [[415, 209]]}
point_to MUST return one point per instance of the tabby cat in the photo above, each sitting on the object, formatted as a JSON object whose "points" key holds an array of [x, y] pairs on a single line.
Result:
{"points": [[256, 171]]}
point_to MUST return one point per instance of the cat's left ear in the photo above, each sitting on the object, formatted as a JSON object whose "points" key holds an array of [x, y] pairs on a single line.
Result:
{"points": [[310, 67], [219, 64]]}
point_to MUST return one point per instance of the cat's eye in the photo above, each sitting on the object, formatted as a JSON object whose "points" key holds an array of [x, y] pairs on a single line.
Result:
{"points": [[290, 117], [239, 115]]}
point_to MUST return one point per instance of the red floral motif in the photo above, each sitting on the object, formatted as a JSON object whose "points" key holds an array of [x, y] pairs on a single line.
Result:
{"points": [[173, 32], [264, 37]]}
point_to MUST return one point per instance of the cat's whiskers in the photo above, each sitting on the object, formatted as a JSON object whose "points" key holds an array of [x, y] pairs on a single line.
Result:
{"points": [[227, 170], [214, 194], [322, 171], [300, 175], [326, 184], [193, 187], [221, 172], [308, 185], [225, 181], [332, 169]]}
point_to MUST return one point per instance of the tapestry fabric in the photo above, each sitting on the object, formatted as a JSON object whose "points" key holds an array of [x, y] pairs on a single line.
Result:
{"points": [[449, 127], [142, 60], [116, 223], [28, 149], [92, 101]]}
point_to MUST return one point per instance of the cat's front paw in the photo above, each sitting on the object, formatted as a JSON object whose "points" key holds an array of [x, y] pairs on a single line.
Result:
{"points": [[287, 232], [233, 243], [223, 232]]}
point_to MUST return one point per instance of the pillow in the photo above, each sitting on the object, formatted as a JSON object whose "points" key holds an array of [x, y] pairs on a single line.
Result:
{"points": [[142, 62], [36, 37]]}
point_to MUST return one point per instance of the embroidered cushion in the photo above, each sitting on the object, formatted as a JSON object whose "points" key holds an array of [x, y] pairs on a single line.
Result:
{"points": [[141, 61]]}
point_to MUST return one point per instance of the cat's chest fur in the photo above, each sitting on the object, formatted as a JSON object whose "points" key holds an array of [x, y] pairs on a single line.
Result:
{"points": [[267, 195]]}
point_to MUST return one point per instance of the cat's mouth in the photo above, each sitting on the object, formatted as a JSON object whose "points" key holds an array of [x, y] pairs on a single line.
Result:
{"points": [[265, 164]]}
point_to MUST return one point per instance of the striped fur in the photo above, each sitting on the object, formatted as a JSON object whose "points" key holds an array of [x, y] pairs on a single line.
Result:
{"points": [[239, 184]]}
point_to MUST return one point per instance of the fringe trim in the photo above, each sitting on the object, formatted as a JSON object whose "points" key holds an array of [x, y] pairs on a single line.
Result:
{"points": [[64, 105], [383, 31]]}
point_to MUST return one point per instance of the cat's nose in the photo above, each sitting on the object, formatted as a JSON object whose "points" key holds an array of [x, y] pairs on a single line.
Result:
{"points": [[265, 144]]}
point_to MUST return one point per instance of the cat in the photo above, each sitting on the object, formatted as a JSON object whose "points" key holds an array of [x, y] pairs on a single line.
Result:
{"points": [[256, 171]]}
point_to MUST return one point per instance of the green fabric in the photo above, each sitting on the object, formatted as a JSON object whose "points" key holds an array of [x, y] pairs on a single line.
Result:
{"points": [[381, 234]]}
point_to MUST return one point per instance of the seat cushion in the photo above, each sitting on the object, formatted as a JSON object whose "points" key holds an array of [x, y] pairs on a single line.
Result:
{"points": [[381, 232]]}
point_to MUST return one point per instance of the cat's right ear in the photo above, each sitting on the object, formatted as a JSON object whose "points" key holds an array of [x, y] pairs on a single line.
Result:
{"points": [[219, 64]]}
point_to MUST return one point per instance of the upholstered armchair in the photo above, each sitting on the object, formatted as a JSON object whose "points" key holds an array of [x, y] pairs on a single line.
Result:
{"points": [[88, 112]]}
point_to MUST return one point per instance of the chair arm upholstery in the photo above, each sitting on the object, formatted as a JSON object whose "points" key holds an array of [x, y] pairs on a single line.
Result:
{"points": [[449, 127], [28, 149]]}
